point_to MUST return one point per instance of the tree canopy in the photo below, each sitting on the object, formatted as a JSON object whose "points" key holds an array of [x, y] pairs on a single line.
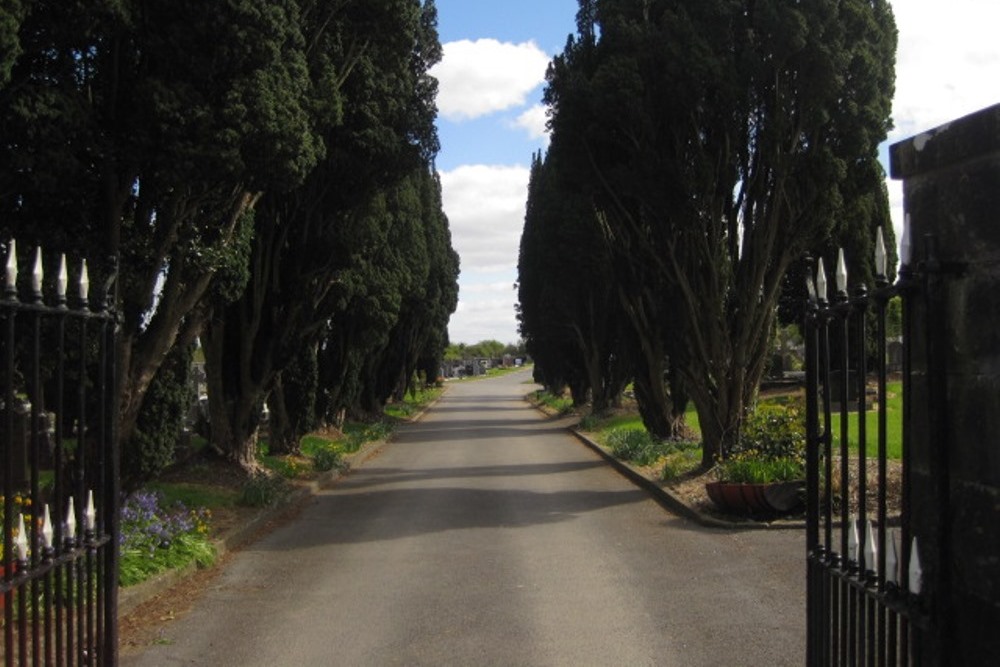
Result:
{"points": [[720, 140], [228, 155]]}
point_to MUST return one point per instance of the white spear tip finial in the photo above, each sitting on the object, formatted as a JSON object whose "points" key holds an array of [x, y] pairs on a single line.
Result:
{"points": [[47, 528], [841, 271], [905, 244], [11, 267], [880, 260], [63, 277], [916, 572], [821, 280], [84, 282], [852, 540], [891, 561], [22, 539], [71, 519], [37, 273], [90, 514], [871, 549]]}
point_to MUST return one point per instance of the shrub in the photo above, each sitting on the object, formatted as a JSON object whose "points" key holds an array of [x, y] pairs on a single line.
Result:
{"points": [[328, 459], [358, 435], [749, 468], [150, 450], [680, 461], [771, 449], [263, 490], [774, 431], [634, 445]]}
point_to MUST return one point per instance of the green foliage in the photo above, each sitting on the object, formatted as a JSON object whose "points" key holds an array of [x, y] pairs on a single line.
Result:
{"points": [[413, 402], [300, 383], [328, 459], [559, 403], [359, 434], [715, 145], [633, 445], [164, 410], [894, 318], [638, 446], [748, 469], [263, 490], [774, 431], [771, 448], [11, 15], [682, 462]]}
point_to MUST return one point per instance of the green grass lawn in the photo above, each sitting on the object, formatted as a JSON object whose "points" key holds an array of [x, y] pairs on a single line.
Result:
{"points": [[894, 425], [193, 494]]}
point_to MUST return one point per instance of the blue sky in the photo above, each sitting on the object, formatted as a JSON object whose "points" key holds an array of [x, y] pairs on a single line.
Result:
{"points": [[491, 121]]}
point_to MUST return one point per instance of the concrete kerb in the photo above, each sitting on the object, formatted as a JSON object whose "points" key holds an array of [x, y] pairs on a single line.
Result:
{"points": [[133, 596], [664, 496]]}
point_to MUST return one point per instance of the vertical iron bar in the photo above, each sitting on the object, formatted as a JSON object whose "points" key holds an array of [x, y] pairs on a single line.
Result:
{"points": [[112, 514], [37, 402], [905, 287], [860, 313], [77, 646], [813, 551], [830, 589], [882, 416], [847, 599], [59, 490], [10, 310], [892, 640]]}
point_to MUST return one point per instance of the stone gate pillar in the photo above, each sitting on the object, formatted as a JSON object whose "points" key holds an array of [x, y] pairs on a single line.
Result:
{"points": [[951, 188]]}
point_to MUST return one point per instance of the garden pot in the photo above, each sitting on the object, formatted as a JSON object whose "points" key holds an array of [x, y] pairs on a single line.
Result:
{"points": [[745, 499]]}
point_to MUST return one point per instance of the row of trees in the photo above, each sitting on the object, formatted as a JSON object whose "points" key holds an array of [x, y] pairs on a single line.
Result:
{"points": [[699, 149], [490, 349], [263, 172]]}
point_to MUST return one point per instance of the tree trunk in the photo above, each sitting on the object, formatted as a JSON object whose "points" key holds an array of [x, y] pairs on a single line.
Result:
{"points": [[283, 436], [234, 401]]}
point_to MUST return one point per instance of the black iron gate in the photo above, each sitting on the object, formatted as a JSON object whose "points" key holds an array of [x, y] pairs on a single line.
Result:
{"points": [[865, 592], [59, 459]]}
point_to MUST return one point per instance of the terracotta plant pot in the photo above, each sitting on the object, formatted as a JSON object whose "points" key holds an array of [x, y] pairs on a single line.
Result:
{"points": [[746, 499]]}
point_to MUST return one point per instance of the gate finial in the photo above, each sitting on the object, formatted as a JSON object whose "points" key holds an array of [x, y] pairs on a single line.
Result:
{"points": [[11, 269]]}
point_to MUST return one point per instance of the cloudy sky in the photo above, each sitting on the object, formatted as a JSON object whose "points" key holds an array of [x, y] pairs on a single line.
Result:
{"points": [[491, 120]]}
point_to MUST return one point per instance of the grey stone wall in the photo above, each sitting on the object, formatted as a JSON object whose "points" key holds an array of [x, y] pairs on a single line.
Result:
{"points": [[951, 187]]}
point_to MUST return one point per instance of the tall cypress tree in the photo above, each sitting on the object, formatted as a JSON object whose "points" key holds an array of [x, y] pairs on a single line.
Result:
{"points": [[724, 139]]}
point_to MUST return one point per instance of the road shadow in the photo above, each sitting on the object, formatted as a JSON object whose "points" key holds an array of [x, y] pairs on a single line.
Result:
{"points": [[378, 515], [374, 475]]}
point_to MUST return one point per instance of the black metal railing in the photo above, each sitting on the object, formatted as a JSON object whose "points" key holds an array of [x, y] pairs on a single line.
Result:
{"points": [[864, 591], [59, 460]]}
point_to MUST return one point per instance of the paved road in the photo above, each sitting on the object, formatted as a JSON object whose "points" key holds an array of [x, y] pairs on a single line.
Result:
{"points": [[486, 535]]}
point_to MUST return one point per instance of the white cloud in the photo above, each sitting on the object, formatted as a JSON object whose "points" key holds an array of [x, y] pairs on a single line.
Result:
{"points": [[485, 315], [485, 208], [533, 121], [485, 76], [947, 64]]}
